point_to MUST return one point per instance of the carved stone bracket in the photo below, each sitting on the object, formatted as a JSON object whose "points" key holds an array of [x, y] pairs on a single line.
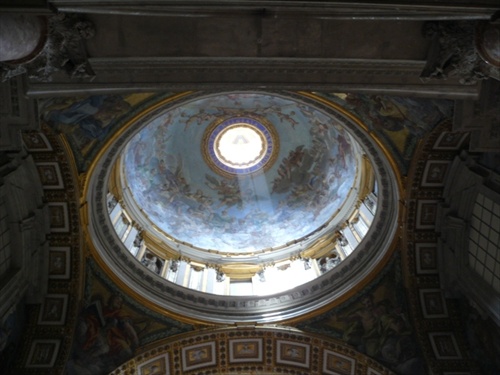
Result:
{"points": [[453, 52], [64, 50]]}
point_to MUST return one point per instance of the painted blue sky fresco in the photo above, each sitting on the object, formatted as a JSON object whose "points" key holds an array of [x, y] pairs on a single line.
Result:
{"points": [[307, 184]]}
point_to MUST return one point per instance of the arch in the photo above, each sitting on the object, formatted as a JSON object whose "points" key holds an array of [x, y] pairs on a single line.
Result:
{"points": [[250, 350]]}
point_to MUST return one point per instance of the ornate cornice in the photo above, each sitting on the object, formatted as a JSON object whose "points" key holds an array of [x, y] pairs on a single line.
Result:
{"points": [[398, 77], [416, 10]]}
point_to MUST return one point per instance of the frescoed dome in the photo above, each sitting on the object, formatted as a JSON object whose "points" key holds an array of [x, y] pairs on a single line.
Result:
{"points": [[271, 203], [238, 173]]}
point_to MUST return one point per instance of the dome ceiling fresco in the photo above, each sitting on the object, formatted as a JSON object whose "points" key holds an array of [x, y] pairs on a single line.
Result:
{"points": [[178, 170]]}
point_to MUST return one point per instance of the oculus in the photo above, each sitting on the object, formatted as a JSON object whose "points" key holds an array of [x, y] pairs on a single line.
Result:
{"points": [[239, 145]]}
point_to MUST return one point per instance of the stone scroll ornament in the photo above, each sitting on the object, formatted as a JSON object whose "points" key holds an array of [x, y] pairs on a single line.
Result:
{"points": [[455, 51], [64, 50]]}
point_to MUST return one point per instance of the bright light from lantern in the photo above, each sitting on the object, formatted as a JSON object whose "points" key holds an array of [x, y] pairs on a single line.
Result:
{"points": [[240, 146]]}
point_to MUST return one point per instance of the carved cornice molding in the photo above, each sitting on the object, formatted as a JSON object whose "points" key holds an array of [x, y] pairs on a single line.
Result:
{"points": [[397, 77], [417, 10], [260, 64]]}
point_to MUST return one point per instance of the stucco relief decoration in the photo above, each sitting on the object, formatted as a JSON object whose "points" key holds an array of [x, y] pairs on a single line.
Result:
{"points": [[453, 51], [64, 50], [189, 200]]}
